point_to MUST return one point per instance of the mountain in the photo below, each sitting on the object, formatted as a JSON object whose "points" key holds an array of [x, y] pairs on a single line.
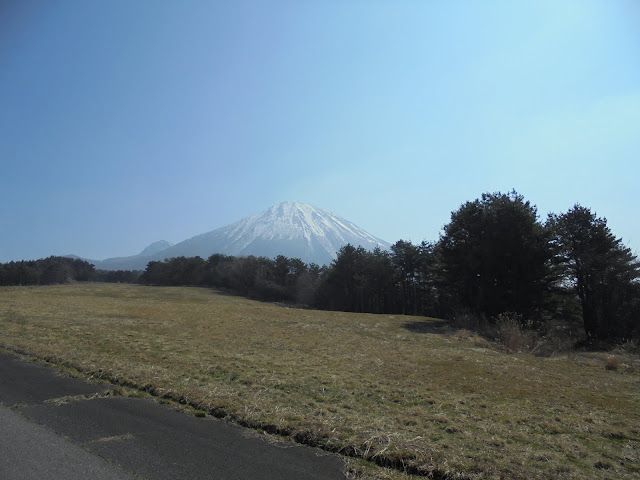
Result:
{"points": [[132, 262], [155, 247], [295, 230]]}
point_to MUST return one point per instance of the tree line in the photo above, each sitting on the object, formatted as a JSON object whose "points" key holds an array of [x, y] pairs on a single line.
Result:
{"points": [[55, 270]]}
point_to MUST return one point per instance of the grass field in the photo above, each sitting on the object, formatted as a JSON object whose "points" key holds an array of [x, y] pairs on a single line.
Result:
{"points": [[406, 392]]}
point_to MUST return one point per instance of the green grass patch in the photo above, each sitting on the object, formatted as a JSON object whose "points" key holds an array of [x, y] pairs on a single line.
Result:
{"points": [[429, 401]]}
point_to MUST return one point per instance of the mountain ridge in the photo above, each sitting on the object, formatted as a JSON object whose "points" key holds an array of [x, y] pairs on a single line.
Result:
{"points": [[292, 229]]}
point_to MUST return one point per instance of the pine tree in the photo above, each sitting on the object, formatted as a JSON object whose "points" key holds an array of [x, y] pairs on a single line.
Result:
{"points": [[601, 271]]}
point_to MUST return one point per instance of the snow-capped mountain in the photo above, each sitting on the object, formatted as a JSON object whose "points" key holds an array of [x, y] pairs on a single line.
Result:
{"points": [[295, 230]]}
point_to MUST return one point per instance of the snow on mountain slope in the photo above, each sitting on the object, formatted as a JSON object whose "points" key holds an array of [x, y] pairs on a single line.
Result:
{"points": [[295, 230], [298, 221], [291, 229]]}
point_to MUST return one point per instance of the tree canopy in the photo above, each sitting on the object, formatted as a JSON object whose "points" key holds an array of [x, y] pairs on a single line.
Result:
{"points": [[601, 271], [495, 255]]}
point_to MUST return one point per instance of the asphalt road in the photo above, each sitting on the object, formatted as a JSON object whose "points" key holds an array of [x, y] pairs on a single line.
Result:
{"points": [[57, 427]]}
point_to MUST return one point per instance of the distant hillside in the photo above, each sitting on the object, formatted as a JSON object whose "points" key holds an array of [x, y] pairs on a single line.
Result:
{"points": [[155, 247], [132, 262]]}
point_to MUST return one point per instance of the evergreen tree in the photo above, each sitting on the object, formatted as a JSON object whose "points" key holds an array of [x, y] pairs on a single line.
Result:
{"points": [[600, 270], [495, 255], [405, 258]]}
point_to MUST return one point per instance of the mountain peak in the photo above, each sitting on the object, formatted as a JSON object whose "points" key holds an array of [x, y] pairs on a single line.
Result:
{"points": [[292, 229], [290, 208], [299, 230]]}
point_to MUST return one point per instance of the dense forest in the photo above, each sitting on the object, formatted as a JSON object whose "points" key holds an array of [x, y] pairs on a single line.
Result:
{"points": [[494, 256], [53, 270]]}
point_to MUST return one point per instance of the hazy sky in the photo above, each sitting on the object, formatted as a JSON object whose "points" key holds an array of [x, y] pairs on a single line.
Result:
{"points": [[125, 122]]}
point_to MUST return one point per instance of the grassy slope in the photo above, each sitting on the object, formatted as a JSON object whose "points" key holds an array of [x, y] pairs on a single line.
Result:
{"points": [[387, 388]]}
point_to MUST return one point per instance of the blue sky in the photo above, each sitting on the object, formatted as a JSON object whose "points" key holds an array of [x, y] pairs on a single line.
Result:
{"points": [[123, 123]]}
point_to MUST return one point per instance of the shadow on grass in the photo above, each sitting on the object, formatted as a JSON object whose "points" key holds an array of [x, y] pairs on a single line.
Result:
{"points": [[430, 326]]}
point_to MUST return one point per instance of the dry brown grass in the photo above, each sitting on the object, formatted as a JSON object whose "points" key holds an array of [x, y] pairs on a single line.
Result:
{"points": [[513, 336], [612, 362], [434, 400]]}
